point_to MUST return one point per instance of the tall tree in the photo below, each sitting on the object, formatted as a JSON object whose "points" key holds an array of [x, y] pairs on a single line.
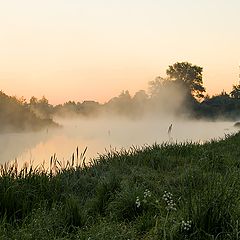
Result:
{"points": [[190, 74]]}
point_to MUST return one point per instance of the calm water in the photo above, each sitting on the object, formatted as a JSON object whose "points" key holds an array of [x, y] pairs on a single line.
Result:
{"points": [[103, 134]]}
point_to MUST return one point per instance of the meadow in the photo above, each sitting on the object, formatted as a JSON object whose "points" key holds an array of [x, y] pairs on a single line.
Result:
{"points": [[167, 191]]}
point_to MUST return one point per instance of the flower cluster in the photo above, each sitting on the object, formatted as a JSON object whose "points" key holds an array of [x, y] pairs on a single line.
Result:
{"points": [[167, 197], [186, 226], [147, 193], [138, 203]]}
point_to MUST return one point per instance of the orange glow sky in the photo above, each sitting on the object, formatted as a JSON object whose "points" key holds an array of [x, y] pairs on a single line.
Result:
{"points": [[93, 49]]}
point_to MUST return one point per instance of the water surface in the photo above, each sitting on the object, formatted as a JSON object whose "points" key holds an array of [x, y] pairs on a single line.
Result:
{"points": [[103, 134]]}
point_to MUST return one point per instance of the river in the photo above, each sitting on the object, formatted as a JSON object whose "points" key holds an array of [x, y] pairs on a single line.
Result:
{"points": [[104, 134]]}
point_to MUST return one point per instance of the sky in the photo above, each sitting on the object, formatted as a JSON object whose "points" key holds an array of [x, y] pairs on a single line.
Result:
{"points": [[93, 49]]}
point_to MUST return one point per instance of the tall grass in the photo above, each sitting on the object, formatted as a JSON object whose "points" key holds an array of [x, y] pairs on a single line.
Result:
{"points": [[168, 191]]}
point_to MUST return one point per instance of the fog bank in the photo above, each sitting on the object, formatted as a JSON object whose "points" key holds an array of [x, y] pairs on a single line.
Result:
{"points": [[104, 134]]}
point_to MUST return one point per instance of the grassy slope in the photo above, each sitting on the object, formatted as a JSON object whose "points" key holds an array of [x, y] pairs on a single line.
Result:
{"points": [[100, 202]]}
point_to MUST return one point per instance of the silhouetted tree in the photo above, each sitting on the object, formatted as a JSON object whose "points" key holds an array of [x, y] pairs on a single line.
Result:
{"points": [[235, 93], [190, 74], [15, 115], [41, 107], [219, 106], [33, 101]]}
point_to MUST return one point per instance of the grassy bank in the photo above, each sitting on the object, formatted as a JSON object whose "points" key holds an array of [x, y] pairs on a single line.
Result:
{"points": [[186, 191]]}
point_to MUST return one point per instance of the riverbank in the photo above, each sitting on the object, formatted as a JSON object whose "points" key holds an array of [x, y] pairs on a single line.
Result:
{"points": [[177, 191]]}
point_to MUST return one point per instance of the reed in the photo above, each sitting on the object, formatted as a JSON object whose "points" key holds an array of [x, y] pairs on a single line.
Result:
{"points": [[168, 191]]}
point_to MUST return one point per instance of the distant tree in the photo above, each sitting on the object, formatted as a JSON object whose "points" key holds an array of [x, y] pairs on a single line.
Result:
{"points": [[123, 100], [220, 99], [44, 101], [156, 86], [124, 96], [140, 97], [190, 74], [235, 93], [15, 115], [90, 108], [139, 101], [70, 107], [22, 100], [70, 104], [220, 106], [207, 97], [165, 89], [33, 101], [41, 107], [121, 104]]}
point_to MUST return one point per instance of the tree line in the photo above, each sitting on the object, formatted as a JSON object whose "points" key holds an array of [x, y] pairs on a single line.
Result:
{"points": [[16, 115], [180, 93]]}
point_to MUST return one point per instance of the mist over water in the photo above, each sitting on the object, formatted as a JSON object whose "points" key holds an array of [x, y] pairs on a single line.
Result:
{"points": [[122, 122], [104, 134]]}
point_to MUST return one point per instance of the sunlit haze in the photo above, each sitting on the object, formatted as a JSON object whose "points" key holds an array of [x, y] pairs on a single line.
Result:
{"points": [[92, 50]]}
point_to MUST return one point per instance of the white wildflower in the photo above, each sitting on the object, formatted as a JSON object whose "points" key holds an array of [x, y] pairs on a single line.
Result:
{"points": [[147, 193], [167, 197], [138, 203], [186, 226]]}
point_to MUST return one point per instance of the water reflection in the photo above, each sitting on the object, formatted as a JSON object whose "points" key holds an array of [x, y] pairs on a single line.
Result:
{"points": [[102, 134]]}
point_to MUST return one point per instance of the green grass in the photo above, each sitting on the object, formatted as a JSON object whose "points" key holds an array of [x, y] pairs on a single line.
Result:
{"points": [[142, 193]]}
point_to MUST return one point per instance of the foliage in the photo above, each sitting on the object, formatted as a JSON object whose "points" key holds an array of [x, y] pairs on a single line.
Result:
{"points": [[41, 107], [171, 96], [190, 74], [168, 191], [180, 93], [235, 93], [220, 106], [15, 115]]}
